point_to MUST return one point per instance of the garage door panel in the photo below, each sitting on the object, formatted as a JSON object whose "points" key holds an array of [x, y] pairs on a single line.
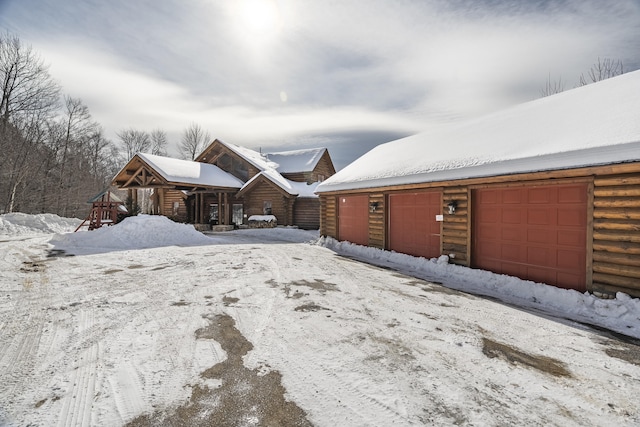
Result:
{"points": [[488, 197], [541, 235], [540, 256], [488, 231], [510, 252], [510, 234], [353, 219], [572, 238], [413, 228], [569, 260], [568, 217], [540, 217], [542, 238], [572, 194], [512, 196], [511, 216], [540, 195]]}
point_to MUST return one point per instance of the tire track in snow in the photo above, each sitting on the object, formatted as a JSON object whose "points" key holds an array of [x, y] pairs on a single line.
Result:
{"points": [[340, 393], [77, 403], [18, 355], [127, 388]]}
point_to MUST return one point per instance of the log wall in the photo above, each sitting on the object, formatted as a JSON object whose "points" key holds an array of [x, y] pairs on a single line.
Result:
{"points": [[377, 223], [328, 217], [455, 228], [307, 213], [167, 200], [281, 206], [616, 234]]}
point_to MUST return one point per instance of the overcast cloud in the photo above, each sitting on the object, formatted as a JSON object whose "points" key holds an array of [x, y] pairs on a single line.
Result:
{"points": [[347, 74]]}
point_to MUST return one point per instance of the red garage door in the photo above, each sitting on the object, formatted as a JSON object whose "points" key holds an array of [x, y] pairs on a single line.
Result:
{"points": [[413, 228], [353, 219], [537, 233]]}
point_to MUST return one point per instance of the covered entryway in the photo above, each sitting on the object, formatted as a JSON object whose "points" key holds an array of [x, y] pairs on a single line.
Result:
{"points": [[537, 233], [353, 219], [413, 228]]}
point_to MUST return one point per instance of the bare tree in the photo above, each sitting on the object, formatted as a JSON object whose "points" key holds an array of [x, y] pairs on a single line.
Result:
{"points": [[194, 140], [602, 70], [78, 127], [50, 161], [552, 87], [28, 98], [159, 142], [134, 141], [25, 84]]}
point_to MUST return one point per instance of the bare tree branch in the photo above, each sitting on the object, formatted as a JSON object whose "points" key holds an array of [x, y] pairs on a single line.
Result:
{"points": [[194, 140], [134, 141]]}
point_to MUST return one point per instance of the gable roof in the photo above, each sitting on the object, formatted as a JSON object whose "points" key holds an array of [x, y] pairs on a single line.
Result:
{"points": [[587, 126], [253, 157], [297, 160], [301, 189], [184, 172]]}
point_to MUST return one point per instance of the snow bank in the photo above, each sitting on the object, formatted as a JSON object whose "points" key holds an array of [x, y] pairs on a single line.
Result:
{"points": [[136, 232], [621, 314], [20, 224]]}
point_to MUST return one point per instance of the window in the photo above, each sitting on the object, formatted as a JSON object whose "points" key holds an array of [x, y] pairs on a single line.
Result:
{"points": [[213, 214], [266, 207], [225, 162], [237, 214], [176, 206]]}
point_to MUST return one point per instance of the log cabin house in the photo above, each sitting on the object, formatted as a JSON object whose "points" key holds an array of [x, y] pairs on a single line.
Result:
{"points": [[547, 191], [227, 184]]}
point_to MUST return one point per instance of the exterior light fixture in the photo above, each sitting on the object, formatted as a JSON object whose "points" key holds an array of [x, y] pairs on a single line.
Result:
{"points": [[453, 205], [373, 206]]}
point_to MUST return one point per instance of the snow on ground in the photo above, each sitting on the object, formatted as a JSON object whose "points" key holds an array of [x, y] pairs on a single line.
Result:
{"points": [[104, 336], [16, 224], [139, 232]]}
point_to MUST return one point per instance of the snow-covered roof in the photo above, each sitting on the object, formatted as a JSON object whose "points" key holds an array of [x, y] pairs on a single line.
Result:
{"points": [[297, 160], [257, 159], [189, 172], [587, 126], [300, 189]]}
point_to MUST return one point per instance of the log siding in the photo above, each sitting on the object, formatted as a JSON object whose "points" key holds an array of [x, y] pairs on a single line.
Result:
{"points": [[616, 234], [613, 219]]}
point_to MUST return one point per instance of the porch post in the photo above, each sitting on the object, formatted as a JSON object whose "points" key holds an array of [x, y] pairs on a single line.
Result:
{"points": [[226, 208]]}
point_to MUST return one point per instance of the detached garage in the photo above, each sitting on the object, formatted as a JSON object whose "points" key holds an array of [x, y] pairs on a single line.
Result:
{"points": [[547, 191]]}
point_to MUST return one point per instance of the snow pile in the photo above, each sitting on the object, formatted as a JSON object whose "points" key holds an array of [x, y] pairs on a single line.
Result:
{"points": [[621, 314], [136, 232], [265, 218], [21, 223]]}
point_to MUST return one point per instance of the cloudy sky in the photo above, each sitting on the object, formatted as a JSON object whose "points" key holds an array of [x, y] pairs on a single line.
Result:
{"points": [[347, 74]]}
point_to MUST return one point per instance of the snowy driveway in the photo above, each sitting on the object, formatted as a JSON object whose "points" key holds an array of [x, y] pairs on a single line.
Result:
{"points": [[102, 339]]}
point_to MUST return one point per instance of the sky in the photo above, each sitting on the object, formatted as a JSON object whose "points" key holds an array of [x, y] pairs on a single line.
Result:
{"points": [[288, 74]]}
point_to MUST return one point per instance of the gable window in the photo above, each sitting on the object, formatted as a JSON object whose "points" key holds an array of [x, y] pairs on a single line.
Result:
{"points": [[266, 207], [225, 162]]}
